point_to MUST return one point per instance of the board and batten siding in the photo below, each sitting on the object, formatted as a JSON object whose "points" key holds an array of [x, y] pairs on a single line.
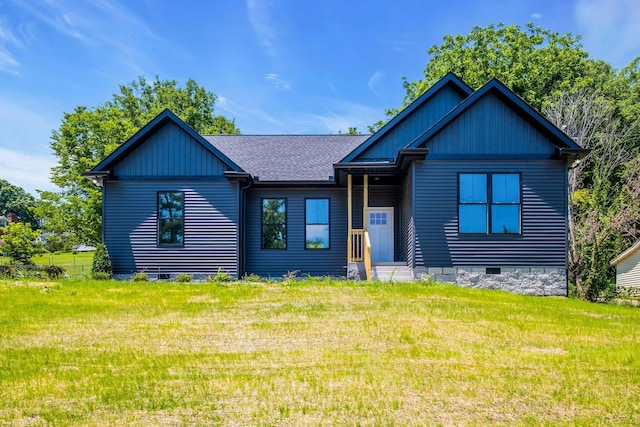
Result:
{"points": [[489, 127], [543, 241], [169, 152], [130, 227], [628, 271], [413, 125], [316, 262]]}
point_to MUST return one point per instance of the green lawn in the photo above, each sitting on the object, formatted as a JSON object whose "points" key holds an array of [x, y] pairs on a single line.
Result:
{"points": [[74, 264], [312, 353]]}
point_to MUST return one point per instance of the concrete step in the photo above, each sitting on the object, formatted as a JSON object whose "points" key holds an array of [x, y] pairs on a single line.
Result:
{"points": [[392, 272]]}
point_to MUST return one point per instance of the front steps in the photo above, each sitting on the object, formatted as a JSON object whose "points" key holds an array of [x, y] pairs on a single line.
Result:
{"points": [[392, 272]]}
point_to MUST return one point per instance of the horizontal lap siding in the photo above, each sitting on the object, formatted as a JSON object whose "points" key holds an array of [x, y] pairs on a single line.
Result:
{"points": [[276, 262], [544, 227], [406, 219], [210, 227], [413, 125], [628, 271]]}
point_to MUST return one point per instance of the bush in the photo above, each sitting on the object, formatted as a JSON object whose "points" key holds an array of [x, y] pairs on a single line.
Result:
{"points": [[139, 277], [101, 262], [184, 278], [54, 271], [222, 276], [20, 242], [99, 275]]}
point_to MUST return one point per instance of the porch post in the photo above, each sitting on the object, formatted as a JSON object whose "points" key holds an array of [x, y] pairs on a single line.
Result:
{"points": [[365, 208], [349, 218]]}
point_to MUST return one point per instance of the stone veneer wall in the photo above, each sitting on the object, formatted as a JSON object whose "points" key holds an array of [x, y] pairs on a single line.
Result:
{"points": [[517, 280]]}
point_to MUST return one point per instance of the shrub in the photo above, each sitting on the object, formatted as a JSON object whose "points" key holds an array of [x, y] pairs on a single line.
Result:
{"points": [[139, 277], [54, 271], [99, 275], [222, 276], [20, 242], [101, 262], [251, 278], [183, 278]]}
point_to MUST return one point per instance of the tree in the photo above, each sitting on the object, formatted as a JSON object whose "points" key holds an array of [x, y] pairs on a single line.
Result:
{"points": [[535, 63], [14, 199], [87, 135], [604, 187], [20, 242], [101, 266]]}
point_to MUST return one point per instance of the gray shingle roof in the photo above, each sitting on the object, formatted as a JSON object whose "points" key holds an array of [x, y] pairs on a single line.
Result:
{"points": [[287, 157]]}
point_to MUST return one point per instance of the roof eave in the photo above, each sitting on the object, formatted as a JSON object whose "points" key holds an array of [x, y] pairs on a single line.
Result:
{"points": [[625, 254]]}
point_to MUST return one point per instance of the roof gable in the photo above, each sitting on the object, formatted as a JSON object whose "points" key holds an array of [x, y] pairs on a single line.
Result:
{"points": [[626, 254], [121, 153], [410, 122], [561, 142]]}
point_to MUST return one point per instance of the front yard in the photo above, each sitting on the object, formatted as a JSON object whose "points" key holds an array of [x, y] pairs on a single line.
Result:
{"points": [[311, 353]]}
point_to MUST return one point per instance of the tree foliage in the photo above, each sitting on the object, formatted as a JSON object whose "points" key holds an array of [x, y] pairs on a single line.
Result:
{"points": [[14, 199], [535, 63], [20, 242], [87, 135], [101, 262], [595, 105]]}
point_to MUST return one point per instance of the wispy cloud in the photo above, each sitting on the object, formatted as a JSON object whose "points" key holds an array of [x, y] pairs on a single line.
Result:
{"points": [[29, 171], [8, 62], [536, 15], [374, 81], [277, 81], [236, 110], [335, 116], [96, 23], [261, 22], [610, 29]]}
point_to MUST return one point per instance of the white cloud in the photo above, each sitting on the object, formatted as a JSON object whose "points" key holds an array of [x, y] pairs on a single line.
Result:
{"points": [[336, 116], [261, 23], [277, 81], [610, 29], [29, 171], [250, 114], [374, 81], [536, 15], [8, 62]]}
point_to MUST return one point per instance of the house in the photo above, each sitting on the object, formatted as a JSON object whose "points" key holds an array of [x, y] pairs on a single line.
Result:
{"points": [[8, 218], [468, 187], [628, 270]]}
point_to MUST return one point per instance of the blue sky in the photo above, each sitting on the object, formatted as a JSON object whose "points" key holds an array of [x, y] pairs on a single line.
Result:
{"points": [[289, 66]]}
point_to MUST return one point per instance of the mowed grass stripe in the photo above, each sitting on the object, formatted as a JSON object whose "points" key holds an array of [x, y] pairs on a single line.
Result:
{"points": [[311, 353]]}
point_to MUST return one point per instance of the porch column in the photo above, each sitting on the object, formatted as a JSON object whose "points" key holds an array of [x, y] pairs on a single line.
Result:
{"points": [[349, 219], [365, 207]]}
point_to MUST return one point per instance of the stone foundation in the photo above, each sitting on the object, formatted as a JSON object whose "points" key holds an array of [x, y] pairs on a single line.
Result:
{"points": [[517, 280]]}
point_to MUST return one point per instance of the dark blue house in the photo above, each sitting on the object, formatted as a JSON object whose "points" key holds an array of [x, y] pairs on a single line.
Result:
{"points": [[466, 187]]}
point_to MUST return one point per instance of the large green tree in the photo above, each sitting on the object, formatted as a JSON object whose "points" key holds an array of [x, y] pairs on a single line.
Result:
{"points": [[87, 135], [534, 62], [14, 199]]}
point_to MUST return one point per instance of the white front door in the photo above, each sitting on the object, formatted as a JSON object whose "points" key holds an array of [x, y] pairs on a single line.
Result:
{"points": [[381, 234]]}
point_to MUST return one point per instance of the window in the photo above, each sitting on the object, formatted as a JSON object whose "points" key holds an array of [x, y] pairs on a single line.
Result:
{"points": [[489, 199], [317, 223], [274, 223], [378, 218], [170, 218]]}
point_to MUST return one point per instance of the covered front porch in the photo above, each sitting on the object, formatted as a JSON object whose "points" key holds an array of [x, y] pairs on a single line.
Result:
{"points": [[374, 221]]}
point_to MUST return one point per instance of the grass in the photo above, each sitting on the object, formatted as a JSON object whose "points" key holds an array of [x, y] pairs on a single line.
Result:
{"points": [[311, 353], [74, 264]]}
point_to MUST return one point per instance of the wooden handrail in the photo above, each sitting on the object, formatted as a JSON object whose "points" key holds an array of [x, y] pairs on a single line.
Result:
{"points": [[367, 255]]}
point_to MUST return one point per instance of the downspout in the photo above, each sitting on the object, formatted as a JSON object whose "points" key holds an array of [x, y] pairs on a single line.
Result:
{"points": [[241, 227]]}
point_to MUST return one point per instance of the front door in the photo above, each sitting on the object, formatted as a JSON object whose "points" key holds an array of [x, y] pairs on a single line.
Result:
{"points": [[381, 234]]}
